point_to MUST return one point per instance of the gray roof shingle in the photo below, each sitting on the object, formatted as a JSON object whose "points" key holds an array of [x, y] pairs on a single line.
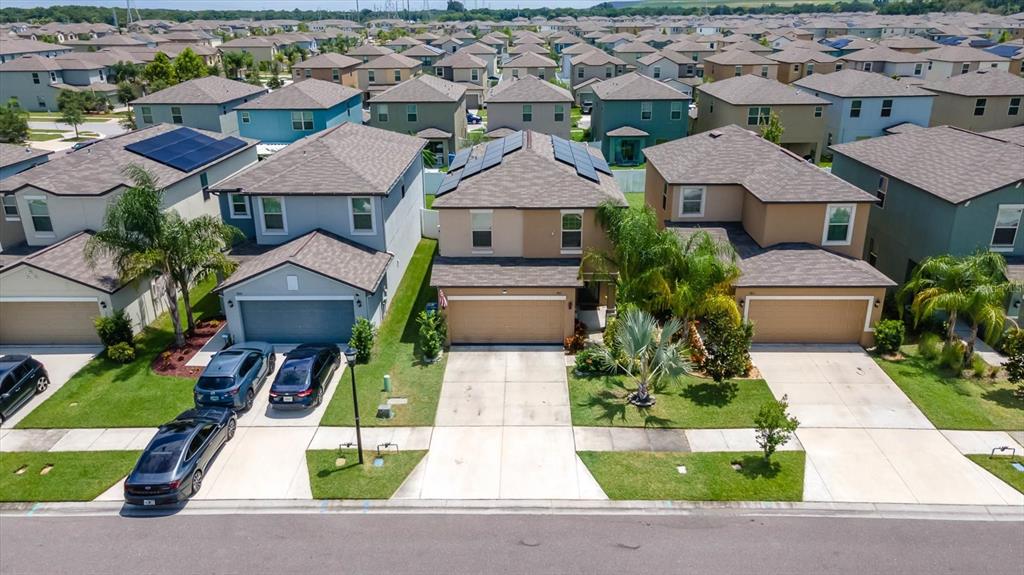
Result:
{"points": [[309, 94], [634, 86], [391, 62], [530, 60], [460, 60], [328, 60], [527, 89], [750, 90], [979, 83], [739, 58], [11, 154], [206, 90], [850, 83], [505, 272], [66, 259], [1015, 135], [422, 88]]}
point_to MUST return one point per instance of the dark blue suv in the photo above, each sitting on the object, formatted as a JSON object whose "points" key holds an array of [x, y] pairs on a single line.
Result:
{"points": [[304, 375], [234, 375]]}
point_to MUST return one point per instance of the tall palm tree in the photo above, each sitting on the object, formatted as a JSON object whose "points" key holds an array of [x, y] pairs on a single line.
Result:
{"points": [[705, 274], [649, 356], [199, 249]]}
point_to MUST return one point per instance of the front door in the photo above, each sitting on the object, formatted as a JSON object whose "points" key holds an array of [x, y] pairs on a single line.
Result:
{"points": [[589, 296], [627, 152]]}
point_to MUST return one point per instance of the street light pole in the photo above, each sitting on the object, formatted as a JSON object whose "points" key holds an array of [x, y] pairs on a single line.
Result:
{"points": [[350, 357]]}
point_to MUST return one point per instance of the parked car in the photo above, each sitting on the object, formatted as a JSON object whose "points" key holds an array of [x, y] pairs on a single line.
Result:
{"points": [[586, 107], [472, 118], [304, 375], [234, 375], [85, 144], [172, 466], [21, 378]]}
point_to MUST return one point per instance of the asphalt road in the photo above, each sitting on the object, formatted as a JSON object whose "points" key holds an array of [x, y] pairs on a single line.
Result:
{"points": [[534, 544]]}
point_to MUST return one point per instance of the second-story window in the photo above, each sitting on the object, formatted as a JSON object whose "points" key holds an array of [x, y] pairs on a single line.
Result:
{"points": [[53, 76], [758, 115], [965, 67], [371, 76], [527, 112], [515, 73], [838, 225], [883, 188], [39, 212], [810, 68], [579, 72], [147, 114], [10, 203], [411, 114], [886, 108], [398, 75], [646, 110], [817, 111], [1007, 223], [656, 72], [362, 216], [1014, 108], [608, 72], [738, 71], [676, 111], [272, 209], [764, 71], [855, 108], [245, 117], [572, 232], [979, 106], [176, 115], [918, 68], [35, 77], [302, 121], [481, 225], [382, 113], [335, 74], [559, 112], [474, 75], [309, 72], [439, 72]]}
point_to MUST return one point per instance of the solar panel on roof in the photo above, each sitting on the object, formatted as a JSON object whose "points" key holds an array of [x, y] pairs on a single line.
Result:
{"points": [[600, 165], [460, 159], [513, 142], [584, 167], [473, 166], [450, 182], [185, 149]]}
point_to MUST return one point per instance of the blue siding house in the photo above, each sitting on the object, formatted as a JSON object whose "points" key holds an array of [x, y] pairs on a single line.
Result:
{"points": [[206, 103], [299, 110], [865, 104]]}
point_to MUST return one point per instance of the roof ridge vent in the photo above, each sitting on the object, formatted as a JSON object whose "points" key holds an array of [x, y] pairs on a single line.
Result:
{"points": [[714, 133]]}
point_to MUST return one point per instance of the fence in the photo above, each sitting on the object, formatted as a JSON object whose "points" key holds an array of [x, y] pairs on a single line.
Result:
{"points": [[430, 224], [631, 180]]}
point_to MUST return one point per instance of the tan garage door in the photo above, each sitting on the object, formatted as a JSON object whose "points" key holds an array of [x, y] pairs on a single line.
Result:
{"points": [[44, 323], [807, 321], [532, 321]]}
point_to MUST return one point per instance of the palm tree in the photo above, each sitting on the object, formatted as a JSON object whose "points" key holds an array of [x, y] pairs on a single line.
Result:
{"points": [[705, 274], [649, 356], [199, 246]]}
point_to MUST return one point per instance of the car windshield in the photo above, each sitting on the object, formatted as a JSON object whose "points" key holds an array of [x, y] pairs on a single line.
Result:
{"points": [[162, 455], [294, 373], [214, 383]]}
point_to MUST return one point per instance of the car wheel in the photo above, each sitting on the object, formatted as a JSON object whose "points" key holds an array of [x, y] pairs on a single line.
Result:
{"points": [[250, 397], [42, 383], [232, 426], [319, 397], [197, 481]]}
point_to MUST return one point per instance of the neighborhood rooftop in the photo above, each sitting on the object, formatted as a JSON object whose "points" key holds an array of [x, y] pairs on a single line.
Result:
{"points": [[424, 88], [310, 94], [634, 86], [205, 90], [851, 83], [528, 89], [750, 89], [980, 83]]}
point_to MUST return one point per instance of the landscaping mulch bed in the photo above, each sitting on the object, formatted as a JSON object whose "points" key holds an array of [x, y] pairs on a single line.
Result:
{"points": [[172, 360]]}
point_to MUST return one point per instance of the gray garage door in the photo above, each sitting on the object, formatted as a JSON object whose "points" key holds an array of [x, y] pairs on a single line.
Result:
{"points": [[320, 321]]}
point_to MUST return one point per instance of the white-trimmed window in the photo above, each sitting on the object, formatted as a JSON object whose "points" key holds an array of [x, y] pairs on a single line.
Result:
{"points": [[886, 108], [439, 71], [758, 115], [839, 66], [675, 110], [147, 114], [559, 112], [883, 188], [39, 212], [1007, 223], [609, 72], [810, 68], [176, 117], [918, 68], [979, 106], [474, 75], [838, 224], [245, 117], [302, 121], [272, 215], [527, 112], [239, 206], [1014, 108], [371, 76], [362, 216], [656, 72], [572, 231], [335, 74], [579, 72], [481, 223], [691, 202], [855, 107], [965, 67], [738, 71], [411, 113], [10, 203], [764, 71], [398, 75], [867, 66], [382, 113], [646, 110]]}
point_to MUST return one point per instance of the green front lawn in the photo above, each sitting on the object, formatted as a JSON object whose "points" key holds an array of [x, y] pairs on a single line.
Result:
{"points": [[35, 136], [689, 403], [354, 481], [635, 199], [1001, 468], [109, 394], [395, 353], [952, 402], [634, 475], [75, 475]]}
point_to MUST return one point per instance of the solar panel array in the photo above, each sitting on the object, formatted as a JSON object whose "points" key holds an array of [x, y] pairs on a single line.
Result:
{"points": [[464, 166], [578, 156], [185, 149]]}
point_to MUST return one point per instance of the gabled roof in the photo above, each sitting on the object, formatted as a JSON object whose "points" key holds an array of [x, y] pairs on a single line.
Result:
{"points": [[391, 61], [961, 54], [323, 253], [530, 60], [460, 60], [979, 83], [369, 50], [527, 89], [328, 60], [732, 155], [749, 89], [884, 54], [66, 259], [309, 94], [943, 161], [596, 58], [10, 45], [634, 47], [739, 58], [850, 83], [31, 63], [422, 50], [422, 88], [205, 90], [634, 86], [688, 46], [478, 48], [349, 160], [800, 55], [674, 57], [11, 154]]}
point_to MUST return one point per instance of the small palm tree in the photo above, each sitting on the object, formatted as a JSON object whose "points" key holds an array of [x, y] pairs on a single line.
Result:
{"points": [[649, 356], [703, 279]]}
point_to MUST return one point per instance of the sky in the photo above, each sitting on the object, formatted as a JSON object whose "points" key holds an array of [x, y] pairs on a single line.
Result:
{"points": [[303, 4]]}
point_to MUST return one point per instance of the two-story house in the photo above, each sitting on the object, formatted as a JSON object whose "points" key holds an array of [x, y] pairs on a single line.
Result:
{"points": [[467, 70], [949, 61], [795, 63], [50, 292], [630, 52], [632, 112], [941, 190], [798, 233], [13, 48], [695, 51], [384, 72], [594, 64], [262, 48], [666, 65], [367, 52], [15, 159], [426, 54], [299, 110], [978, 101], [333, 221], [909, 44], [36, 82], [206, 103], [750, 100], [864, 104], [529, 103], [516, 216], [427, 106], [737, 63], [486, 53], [888, 62], [329, 67], [529, 64]]}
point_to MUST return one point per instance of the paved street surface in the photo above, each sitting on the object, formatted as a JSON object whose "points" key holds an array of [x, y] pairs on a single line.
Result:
{"points": [[537, 544]]}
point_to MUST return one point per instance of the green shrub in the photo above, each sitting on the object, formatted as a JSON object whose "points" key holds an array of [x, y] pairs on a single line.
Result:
{"points": [[115, 329], [978, 366], [953, 356], [121, 352], [1013, 347], [889, 335], [591, 360], [928, 346], [362, 339], [726, 345], [433, 332]]}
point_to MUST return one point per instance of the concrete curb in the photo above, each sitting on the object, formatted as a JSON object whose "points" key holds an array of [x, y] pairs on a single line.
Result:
{"points": [[528, 507]]}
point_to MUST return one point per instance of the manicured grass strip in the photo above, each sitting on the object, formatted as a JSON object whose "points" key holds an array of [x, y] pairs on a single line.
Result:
{"points": [[352, 481], [952, 402], [75, 475], [634, 475], [635, 199], [109, 394], [690, 403], [428, 201], [395, 352], [1001, 468], [44, 137]]}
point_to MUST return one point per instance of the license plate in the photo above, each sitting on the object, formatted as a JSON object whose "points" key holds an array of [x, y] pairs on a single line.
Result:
{"points": [[287, 399], [149, 501], [214, 398]]}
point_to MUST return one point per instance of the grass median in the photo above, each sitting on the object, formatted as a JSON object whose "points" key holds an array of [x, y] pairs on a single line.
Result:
{"points": [[61, 475], [1002, 467], [350, 480]]}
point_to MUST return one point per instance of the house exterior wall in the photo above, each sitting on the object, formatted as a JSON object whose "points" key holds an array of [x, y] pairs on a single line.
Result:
{"points": [[275, 126], [41, 97], [201, 116], [841, 128], [599, 72], [516, 233], [938, 70], [721, 72], [346, 76], [791, 72], [770, 224], [383, 77], [510, 115], [546, 73], [722, 203], [447, 116], [955, 110], [801, 125], [401, 219], [610, 115]]}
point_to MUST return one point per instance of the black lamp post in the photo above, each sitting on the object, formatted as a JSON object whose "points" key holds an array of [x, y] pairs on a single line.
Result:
{"points": [[350, 357]]}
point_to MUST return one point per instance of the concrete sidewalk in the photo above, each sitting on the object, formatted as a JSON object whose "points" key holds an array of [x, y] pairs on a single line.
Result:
{"points": [[680, 440]]}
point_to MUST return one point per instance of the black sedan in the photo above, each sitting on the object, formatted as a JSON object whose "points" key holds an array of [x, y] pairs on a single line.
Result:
{"points": [[172, 466], [302, 380], [21, 378]]}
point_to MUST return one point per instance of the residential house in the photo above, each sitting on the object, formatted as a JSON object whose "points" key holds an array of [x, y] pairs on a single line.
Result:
{"points": [[429, 107], [978, 101], [529, 64], [468, 70], [737, 63], [565, 58], [695, 51], [497, 42], [329, 67], [949, 61], [15, 159], [594, 64], [583, 93], [864, 104], [630, 52], [909, 44], [795, 63], [520, 49], [750, 100], [299, 110], [36, 82], [684, 85], [798, 233], [888, 62], [52, 293], [632, 112], [512, 237], [329, 238], [402, 43], [530, 103], [486, 53], [941, 190], [426, 54], [666, 64], [367, 52], [207, 103], [385, 71], [13, 48], [840, 47], [262, 48], [447, 44]]}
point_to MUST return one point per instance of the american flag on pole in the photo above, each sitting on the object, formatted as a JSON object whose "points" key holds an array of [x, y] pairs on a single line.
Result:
{"points": [[441, 299]]}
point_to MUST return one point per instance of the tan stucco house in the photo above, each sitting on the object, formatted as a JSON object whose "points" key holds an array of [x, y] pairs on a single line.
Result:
{"points": [[381, 73], [737, 63], [978, 101], [329, 67], [530, 103]]}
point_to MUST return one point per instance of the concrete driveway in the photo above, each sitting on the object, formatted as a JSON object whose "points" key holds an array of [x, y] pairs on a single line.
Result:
{"points": [[503, 431], [61, 362]]}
